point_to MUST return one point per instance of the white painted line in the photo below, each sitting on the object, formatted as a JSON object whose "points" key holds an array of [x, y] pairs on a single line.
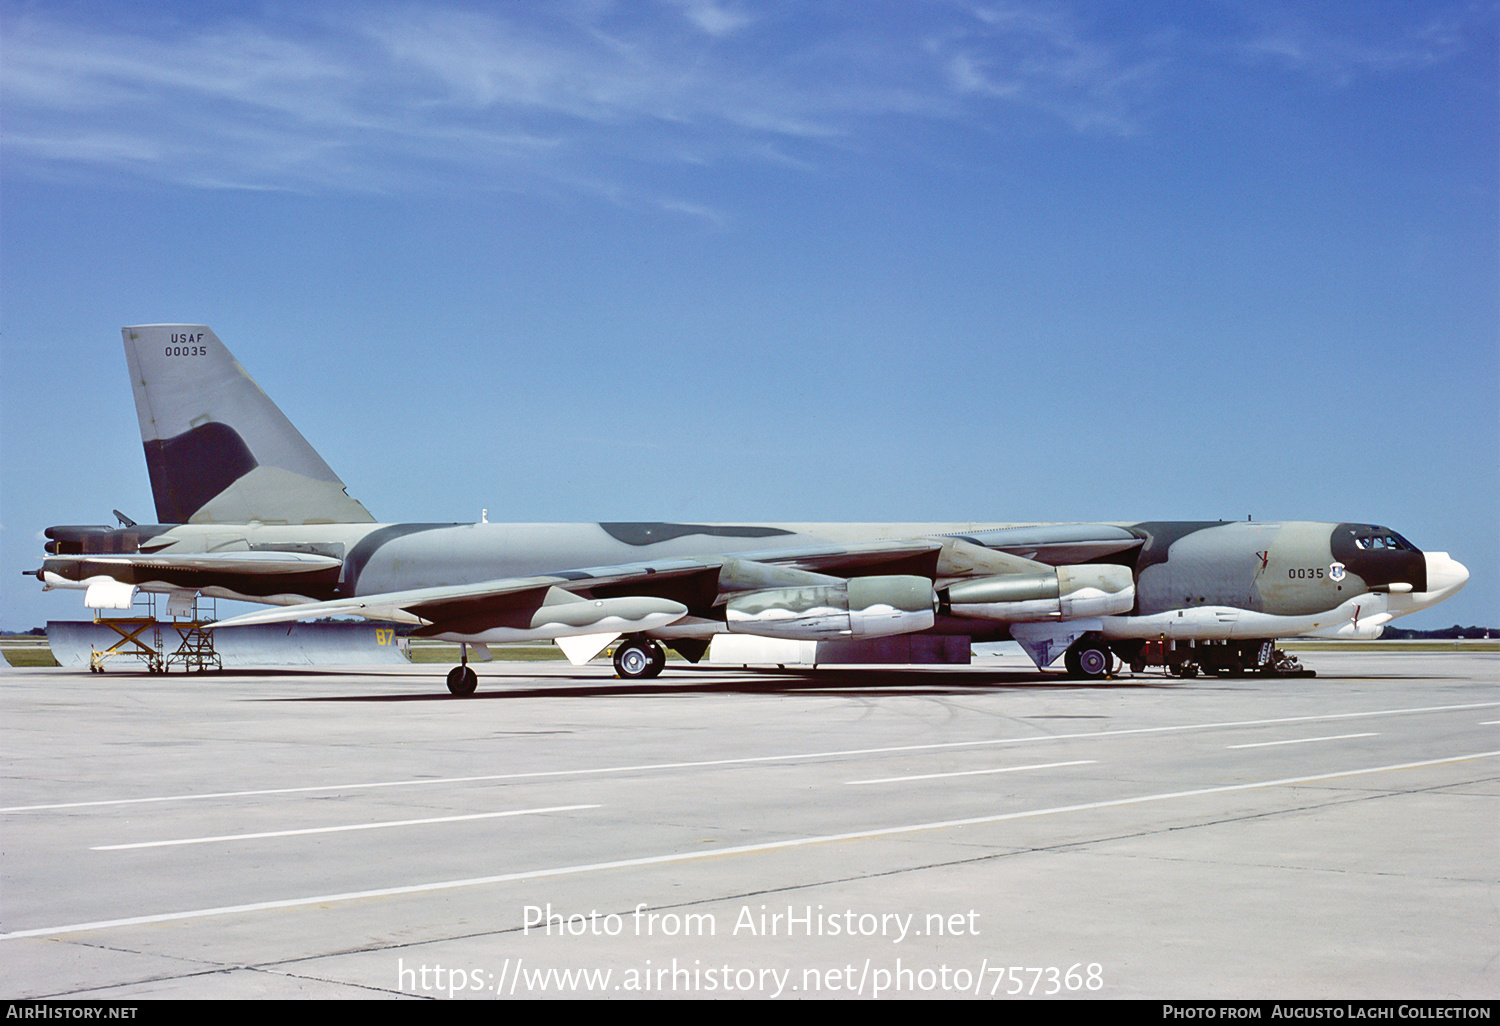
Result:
{"points": [[692, 856], [1301, 740], [975, 773], [744, 760], [338, 829]]}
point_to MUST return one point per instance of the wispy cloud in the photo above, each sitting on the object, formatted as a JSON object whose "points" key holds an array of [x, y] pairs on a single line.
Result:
{"points": [[1347, 50], [716, 19], [1045, 58], [400, 96], [395, 95]]}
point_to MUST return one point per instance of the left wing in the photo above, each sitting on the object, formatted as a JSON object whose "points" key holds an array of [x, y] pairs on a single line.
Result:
{"points": [[548, 607], [845, 591], [473, 608], [773, 595]]}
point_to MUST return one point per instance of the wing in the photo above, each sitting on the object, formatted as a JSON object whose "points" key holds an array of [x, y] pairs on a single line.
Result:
{"points": [[548, 607], [774, 594], [699, 584], [473, 608]]}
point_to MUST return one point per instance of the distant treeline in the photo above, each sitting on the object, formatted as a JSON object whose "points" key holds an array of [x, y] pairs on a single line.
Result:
{"points": [[1445, 634]]}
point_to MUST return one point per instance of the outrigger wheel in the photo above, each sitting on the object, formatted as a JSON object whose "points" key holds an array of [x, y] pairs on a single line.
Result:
{"points": [[639, 659], [462, 681]]}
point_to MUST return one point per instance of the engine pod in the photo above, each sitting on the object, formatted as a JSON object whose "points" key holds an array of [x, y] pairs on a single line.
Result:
{"points": [[865, 607], [1067, 593]]}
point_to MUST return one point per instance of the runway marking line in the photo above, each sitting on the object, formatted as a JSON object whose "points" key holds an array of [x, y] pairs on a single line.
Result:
{"points": [[1301, 740], [974, 773], [338, 829], [743, 760], [692, 856]]}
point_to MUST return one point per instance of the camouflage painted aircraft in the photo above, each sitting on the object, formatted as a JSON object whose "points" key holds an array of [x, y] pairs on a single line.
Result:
{"points": [[249, 511]]}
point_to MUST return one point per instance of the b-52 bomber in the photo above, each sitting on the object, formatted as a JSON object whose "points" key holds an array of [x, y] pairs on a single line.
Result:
{"points": [[250, 511]]}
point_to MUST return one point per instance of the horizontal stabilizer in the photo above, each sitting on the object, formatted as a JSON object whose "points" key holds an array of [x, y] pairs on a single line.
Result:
{"points": [[219, 562]]}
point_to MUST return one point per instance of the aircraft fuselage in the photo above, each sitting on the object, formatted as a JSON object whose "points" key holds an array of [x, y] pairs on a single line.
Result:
{"points": [[1192, 579]]}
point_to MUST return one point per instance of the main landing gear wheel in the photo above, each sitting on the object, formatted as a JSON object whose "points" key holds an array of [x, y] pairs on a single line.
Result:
{"points": [[1090, 660], [462, 681], [639, 659]]}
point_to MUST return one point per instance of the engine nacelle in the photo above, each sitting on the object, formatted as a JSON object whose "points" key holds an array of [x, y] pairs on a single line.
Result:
{"points": [[1066, 593], [864, 607]]}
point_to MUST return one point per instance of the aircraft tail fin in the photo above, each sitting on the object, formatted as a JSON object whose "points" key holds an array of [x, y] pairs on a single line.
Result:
{"points": [[217, 448]]}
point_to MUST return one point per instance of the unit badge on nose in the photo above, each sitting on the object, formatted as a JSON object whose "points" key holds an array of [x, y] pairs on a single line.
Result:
{"points": [[1336, 571]]}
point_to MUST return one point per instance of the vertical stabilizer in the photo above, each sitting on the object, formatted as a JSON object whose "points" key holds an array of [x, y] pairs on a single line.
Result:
{"points": [[217, 448]]}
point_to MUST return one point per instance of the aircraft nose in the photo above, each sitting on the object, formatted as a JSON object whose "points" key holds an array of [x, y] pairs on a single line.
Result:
{"points": [[1445, 575]]}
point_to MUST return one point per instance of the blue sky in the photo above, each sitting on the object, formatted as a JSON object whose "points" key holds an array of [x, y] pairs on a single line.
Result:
{"points": [[705, 260]]}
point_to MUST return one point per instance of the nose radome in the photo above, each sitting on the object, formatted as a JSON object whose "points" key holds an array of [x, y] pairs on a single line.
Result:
{"points": [[1445, 575]]}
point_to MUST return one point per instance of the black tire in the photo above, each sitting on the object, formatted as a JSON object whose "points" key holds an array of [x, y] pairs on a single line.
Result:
{"points": [[462, 681], [639, 660], [1093, 660]]}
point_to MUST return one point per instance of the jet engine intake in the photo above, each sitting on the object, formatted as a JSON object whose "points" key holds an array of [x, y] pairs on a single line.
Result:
{"points": [[1066, 593], [864, 607]]}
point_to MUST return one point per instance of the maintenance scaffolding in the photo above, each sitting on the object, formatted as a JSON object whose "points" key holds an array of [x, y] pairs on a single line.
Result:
{"points": [[145, 638]]}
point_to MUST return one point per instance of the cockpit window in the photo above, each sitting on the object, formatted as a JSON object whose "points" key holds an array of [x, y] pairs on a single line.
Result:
{"points": [[1386, 540]]}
